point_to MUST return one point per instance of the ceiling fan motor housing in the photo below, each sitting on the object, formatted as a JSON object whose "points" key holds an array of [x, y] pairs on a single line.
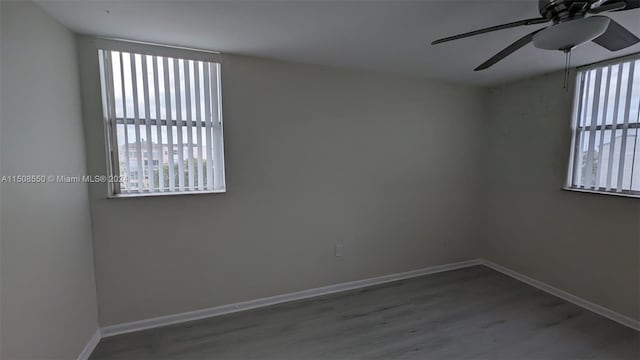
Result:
{"points": [[564, 10]]}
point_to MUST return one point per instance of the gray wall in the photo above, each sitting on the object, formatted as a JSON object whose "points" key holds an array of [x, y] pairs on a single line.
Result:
{"points": [[314, 156], [586, 244], [48, 292]]}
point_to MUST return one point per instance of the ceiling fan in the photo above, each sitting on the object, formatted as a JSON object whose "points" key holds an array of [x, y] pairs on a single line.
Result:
{"points": [[571, 27]]}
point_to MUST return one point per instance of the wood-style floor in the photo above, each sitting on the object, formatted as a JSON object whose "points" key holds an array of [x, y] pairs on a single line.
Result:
{"points": [[472, 313]]}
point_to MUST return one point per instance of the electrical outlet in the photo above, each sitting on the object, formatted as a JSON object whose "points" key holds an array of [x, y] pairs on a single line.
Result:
{"points": [[339, 250]]}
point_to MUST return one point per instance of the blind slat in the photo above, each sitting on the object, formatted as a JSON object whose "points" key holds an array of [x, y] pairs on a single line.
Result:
{"points": [[196, 76], [161, 185], [614, 121], [575, 141], [595, 102], [167, 104], [635, 172], [125, 127], [188, 90], [582, 121], [147, 124], [111, 112], [602, 128], [136, 119], [623, 141], [218, 141], [207, 119], [178, 97]]}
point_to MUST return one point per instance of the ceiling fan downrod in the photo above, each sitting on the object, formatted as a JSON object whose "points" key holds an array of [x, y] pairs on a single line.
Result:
{"points": [[567, 67]]}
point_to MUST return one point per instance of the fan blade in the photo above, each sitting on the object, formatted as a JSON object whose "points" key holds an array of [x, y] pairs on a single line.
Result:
{"points": [[629, 4], [616, 37], [609, 6], [493, 28], [508, 51]]}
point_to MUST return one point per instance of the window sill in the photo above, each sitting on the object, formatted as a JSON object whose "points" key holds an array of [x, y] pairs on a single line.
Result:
{"points": [[154, 194], [618, 194]]}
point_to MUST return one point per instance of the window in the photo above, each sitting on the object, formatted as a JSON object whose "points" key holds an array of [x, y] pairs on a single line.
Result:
{"points": [[605, 155], [159, 105]]}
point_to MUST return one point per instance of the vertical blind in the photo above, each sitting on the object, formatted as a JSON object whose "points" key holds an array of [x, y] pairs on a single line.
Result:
{"points": [[606, 129], [164, 123]]}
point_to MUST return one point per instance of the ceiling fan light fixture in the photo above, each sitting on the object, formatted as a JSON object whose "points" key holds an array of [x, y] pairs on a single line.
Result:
{"points": [[568, 34]]}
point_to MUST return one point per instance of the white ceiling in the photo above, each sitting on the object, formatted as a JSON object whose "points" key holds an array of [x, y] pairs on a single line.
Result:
{"points": [[378, 35]]}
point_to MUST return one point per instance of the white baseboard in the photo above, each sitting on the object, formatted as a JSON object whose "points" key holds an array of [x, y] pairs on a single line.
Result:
{"points": [[598, 309], [272, 300], [91, 345], [133, 326]]}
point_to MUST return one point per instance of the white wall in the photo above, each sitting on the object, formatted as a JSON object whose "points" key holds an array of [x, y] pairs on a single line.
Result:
{"points": [[314, 156], [48, 292], [586, 244]]}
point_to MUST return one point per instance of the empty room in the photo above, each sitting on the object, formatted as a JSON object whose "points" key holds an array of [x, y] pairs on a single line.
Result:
{"points": [[314, 179]]}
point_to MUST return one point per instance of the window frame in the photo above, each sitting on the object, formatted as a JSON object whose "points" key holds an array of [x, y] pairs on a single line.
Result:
{"points": [[577, 129], [110, 131]]}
